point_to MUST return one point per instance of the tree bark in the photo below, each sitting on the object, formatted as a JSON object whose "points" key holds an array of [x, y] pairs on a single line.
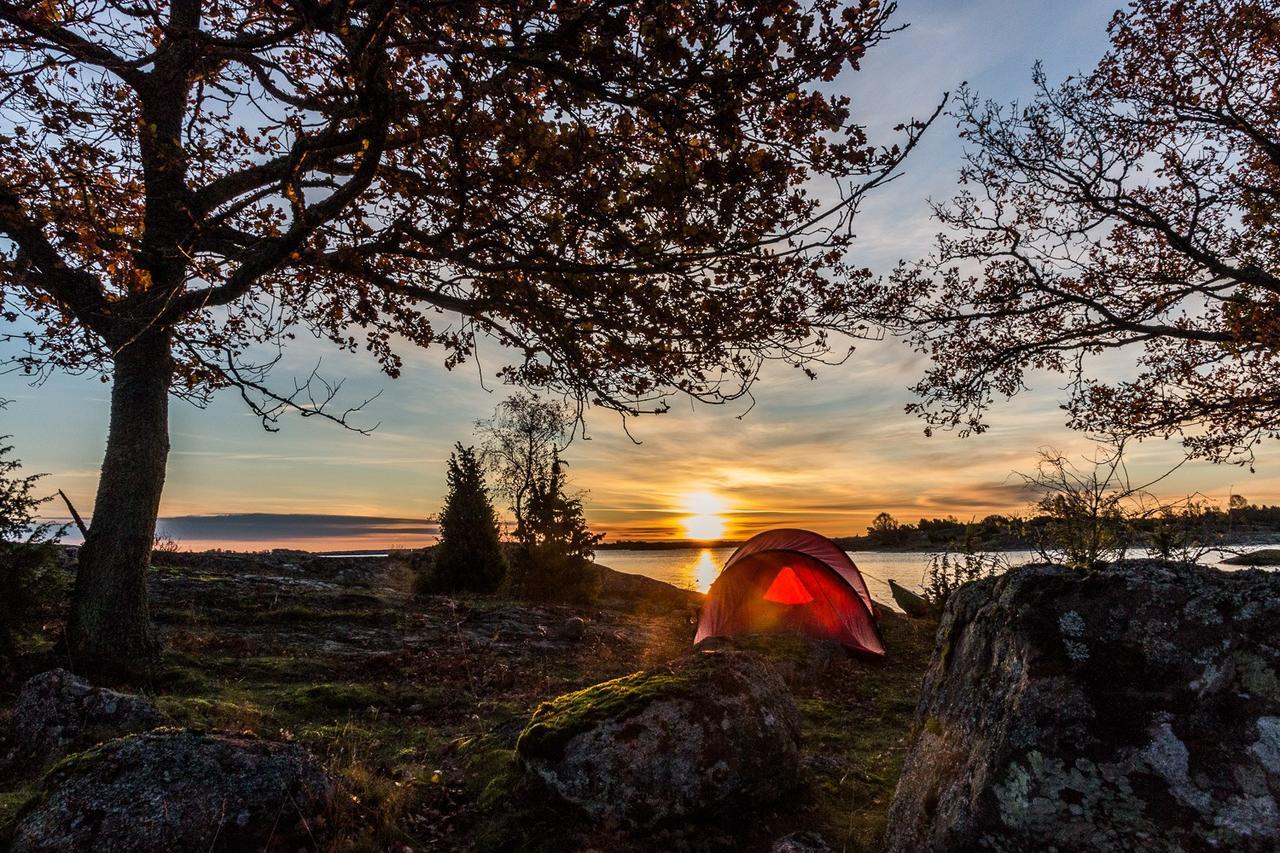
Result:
{"points": [[110, 620]]}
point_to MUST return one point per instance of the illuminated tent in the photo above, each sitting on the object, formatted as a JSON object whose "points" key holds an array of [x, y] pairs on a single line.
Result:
{"points": [[792, 581]]}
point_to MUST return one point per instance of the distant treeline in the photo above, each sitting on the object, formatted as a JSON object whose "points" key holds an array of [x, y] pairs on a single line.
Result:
{"points": [[1003, 532]]}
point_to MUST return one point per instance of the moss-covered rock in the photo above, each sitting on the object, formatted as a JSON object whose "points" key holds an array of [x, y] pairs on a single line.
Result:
{"points": [[57, 713], [174, 789], [710, 731], [1129, 709]]}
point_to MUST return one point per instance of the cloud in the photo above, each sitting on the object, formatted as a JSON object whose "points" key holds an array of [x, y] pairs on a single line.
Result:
{"points": [[305, 530], [266, 527]]}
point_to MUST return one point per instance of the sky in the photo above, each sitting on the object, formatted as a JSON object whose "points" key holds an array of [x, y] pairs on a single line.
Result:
{"points": [[826, 454]]}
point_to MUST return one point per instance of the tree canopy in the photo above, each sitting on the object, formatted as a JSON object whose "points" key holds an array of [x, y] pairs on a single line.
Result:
{"points": [[620, 192], [632, 199], [1134, 208]]}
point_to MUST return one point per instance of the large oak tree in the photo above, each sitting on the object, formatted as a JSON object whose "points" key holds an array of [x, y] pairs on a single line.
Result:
{"points": [[1130, 210], [637, 198]]}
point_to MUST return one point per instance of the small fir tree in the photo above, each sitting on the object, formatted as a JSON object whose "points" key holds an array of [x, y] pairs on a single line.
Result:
{"points": [[556, 545], [469, 557]]}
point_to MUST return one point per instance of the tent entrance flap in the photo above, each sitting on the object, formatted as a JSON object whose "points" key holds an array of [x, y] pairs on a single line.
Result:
{"points": [[788, 589]]}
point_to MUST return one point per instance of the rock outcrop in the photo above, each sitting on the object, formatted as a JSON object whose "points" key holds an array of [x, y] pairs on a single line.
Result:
{"points": [[706, 733], [801, 842], [1261, 557], [1135, 708], [172, 789], [57, 713]]}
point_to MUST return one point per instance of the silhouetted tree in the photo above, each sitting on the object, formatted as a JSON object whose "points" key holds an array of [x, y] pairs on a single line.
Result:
{"points": [[1133, 208], [470, 556], [553, 560], [621, 193], [885, 530], [521, 442]]}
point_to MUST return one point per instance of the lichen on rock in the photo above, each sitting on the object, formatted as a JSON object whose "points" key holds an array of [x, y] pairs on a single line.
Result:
{"points": [[175, 789], [58, 712], [1134, 708]]}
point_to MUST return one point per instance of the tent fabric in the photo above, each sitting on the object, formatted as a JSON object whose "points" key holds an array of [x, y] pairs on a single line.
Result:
{"points": [[786, 588], [806, 542], [789, 590]]}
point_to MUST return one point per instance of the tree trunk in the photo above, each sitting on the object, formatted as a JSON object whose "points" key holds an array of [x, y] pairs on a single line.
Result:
{"points": [[110, 620]]}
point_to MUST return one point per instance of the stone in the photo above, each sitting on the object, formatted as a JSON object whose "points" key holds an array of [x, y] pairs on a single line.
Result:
{"points": [[573, 628], [58, 712], [175, 789], [1132, 708], [801, 842], [705, 734]]}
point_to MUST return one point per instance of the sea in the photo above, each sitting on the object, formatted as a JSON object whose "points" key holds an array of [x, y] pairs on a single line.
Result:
{"points": [[696, 568]]}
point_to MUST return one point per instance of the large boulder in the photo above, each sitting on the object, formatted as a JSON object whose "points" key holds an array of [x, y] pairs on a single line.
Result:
{"points": [[173, 789], [706, 733], [1136, 708], [57, 713]]}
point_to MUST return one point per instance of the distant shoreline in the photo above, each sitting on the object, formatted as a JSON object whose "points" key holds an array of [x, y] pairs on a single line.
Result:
{"points": [[845, 543]]}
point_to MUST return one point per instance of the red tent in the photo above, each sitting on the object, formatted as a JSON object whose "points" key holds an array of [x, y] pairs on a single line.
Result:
{"points": [[792, 580]]}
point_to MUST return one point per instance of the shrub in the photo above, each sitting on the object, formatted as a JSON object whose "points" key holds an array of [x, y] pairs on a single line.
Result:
{"points": [[33, 584], [1184, 531], [949, 571]]}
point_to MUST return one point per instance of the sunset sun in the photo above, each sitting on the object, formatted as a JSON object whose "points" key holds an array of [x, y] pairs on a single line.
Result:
{"points": [[705, 520]]}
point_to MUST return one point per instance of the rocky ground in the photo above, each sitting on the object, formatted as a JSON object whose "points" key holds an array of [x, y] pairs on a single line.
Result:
{"points": [[414, 706]]}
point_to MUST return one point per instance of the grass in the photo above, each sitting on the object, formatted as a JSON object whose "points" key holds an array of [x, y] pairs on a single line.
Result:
{"points": [[858, 723], [421, 736], [12, 802]]}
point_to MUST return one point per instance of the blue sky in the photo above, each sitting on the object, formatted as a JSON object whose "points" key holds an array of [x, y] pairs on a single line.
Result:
{"points": [[826, 454]]}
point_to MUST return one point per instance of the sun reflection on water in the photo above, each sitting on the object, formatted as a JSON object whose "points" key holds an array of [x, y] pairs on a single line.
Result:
{"points": [[705, 571]]}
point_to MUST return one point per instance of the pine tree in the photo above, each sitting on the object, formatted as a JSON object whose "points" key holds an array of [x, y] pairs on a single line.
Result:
{"points": [[556, 546], [469, 557]]}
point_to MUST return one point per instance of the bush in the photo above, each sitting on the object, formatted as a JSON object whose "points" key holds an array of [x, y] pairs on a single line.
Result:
{"points": [[1185, 531], [33, 585], [33, 589], [545, 572], [949, 571]]}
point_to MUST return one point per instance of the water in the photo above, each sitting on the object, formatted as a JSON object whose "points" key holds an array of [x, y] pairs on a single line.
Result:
{"points": [[694, 568]]}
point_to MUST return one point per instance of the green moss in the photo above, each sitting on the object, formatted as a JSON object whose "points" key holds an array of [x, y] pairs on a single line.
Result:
{"points": [[336, 697], [557, 722], [276, 668], [77, 762], [491, 773], [200, 713], [183, 680], [328, 697], [13, 804], [779, 646], [1256, 676]]}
